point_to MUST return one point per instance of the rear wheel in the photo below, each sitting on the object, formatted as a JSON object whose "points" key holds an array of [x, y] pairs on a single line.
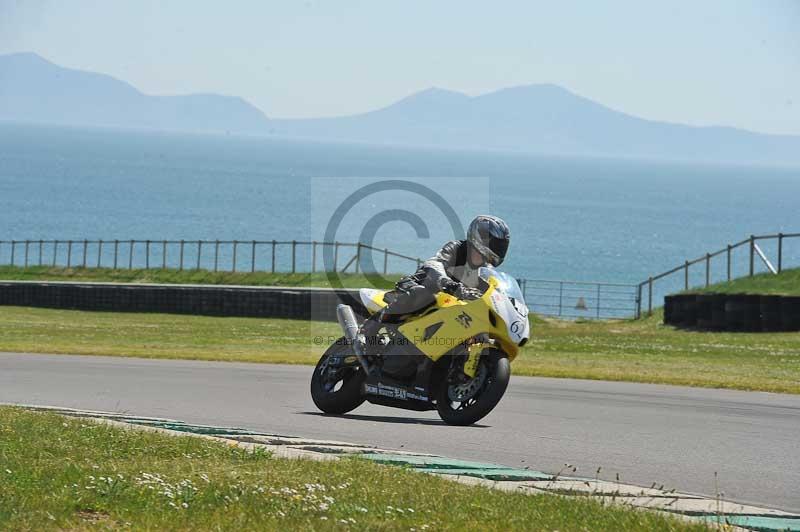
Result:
{"points": [[336, 386], [465, 403]]}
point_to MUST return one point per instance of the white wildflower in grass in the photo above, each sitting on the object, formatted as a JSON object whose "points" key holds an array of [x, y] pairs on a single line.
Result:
{"points": [[185, 505], [323, 507], [323, 518], [8, 471], [362, 510], [410, 510], [205, 477]]}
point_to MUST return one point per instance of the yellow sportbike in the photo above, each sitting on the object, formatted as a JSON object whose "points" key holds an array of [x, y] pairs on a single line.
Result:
{"points": [[453, 356]]}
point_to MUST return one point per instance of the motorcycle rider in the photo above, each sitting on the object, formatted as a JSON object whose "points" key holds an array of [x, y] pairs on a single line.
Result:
{"points": [[454, 270]]}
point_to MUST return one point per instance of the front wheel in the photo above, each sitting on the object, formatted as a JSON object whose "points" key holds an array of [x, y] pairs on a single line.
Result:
{"points": [[335, 385], [466, 403]]}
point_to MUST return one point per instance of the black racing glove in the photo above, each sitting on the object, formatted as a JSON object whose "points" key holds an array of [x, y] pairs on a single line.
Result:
{"points": [[449, 286], [467, 293], [459, 290]]}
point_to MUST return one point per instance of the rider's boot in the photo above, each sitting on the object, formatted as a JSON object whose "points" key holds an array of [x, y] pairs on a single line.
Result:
{"points": [[369, 332]]}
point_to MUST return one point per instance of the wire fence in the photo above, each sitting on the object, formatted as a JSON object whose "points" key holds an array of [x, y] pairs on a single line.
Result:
{"points": [[579, 299], [745, 258], [287, 256], [565, 299]]}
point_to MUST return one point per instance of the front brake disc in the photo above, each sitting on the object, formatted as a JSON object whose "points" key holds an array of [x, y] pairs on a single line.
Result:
{"points": [[468, 390]]}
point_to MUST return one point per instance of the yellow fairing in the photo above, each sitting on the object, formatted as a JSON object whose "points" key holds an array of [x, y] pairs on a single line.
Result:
{"points": [[461, 321], [377, 298]]}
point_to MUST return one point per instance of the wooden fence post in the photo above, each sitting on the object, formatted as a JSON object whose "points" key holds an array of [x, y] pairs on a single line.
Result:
{"points": [[752, 254], [729, 262], [130, 255], [235, 247], [358, 256], [99, 252], [253, 257], [294, 250], [13, 249], [686, 275], [69, 253], [598, 301], [273, 257], [199, 253], [385, 260], [27, 247], [55, 252], [164, 255], [216, 254], [41, 246], [650, 297], [335, 255], [180, 261], [638, 301], [313, 256], [116, 252], [780, 252], [708, 269]]}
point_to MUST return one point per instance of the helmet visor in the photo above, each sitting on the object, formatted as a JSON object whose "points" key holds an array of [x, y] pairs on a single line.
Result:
{"points": [[492, 248], [499, 246]]}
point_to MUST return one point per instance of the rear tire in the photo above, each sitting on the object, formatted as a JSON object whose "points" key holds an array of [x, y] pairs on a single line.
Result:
{"points": [[349, 379], [467, 413]]}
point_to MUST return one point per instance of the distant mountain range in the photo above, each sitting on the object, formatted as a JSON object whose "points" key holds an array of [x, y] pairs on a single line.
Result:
{"points": [[543, 119]]}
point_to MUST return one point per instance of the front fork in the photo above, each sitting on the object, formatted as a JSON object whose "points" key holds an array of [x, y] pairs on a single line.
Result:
{"points": [[474, 356]]}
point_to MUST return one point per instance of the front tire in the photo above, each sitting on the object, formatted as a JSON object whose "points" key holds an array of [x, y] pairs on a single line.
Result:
{"points": [[337, 390], [476, 407]]}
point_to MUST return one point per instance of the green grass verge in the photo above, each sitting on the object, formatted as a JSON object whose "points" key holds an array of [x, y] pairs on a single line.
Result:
{"points": [[785, 283], [638, 351], [60, 473], [171, 276]]}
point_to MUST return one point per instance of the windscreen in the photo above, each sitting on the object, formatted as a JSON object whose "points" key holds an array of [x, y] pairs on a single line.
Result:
{"points": [[506, 284]]}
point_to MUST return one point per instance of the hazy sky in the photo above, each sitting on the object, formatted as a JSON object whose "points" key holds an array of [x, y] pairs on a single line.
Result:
{"points": [[712, 62]]}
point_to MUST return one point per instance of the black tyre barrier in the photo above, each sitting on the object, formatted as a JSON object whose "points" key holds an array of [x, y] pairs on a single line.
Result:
{"points": [[689, 303], [752, 313], [733, 312], [210, 300], [669, 309], [703, 306], [718, 320], [790, 313], [770, 313]]}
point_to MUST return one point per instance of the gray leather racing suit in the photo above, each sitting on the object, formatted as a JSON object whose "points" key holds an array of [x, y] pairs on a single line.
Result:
{"points": [[447, 271]]}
